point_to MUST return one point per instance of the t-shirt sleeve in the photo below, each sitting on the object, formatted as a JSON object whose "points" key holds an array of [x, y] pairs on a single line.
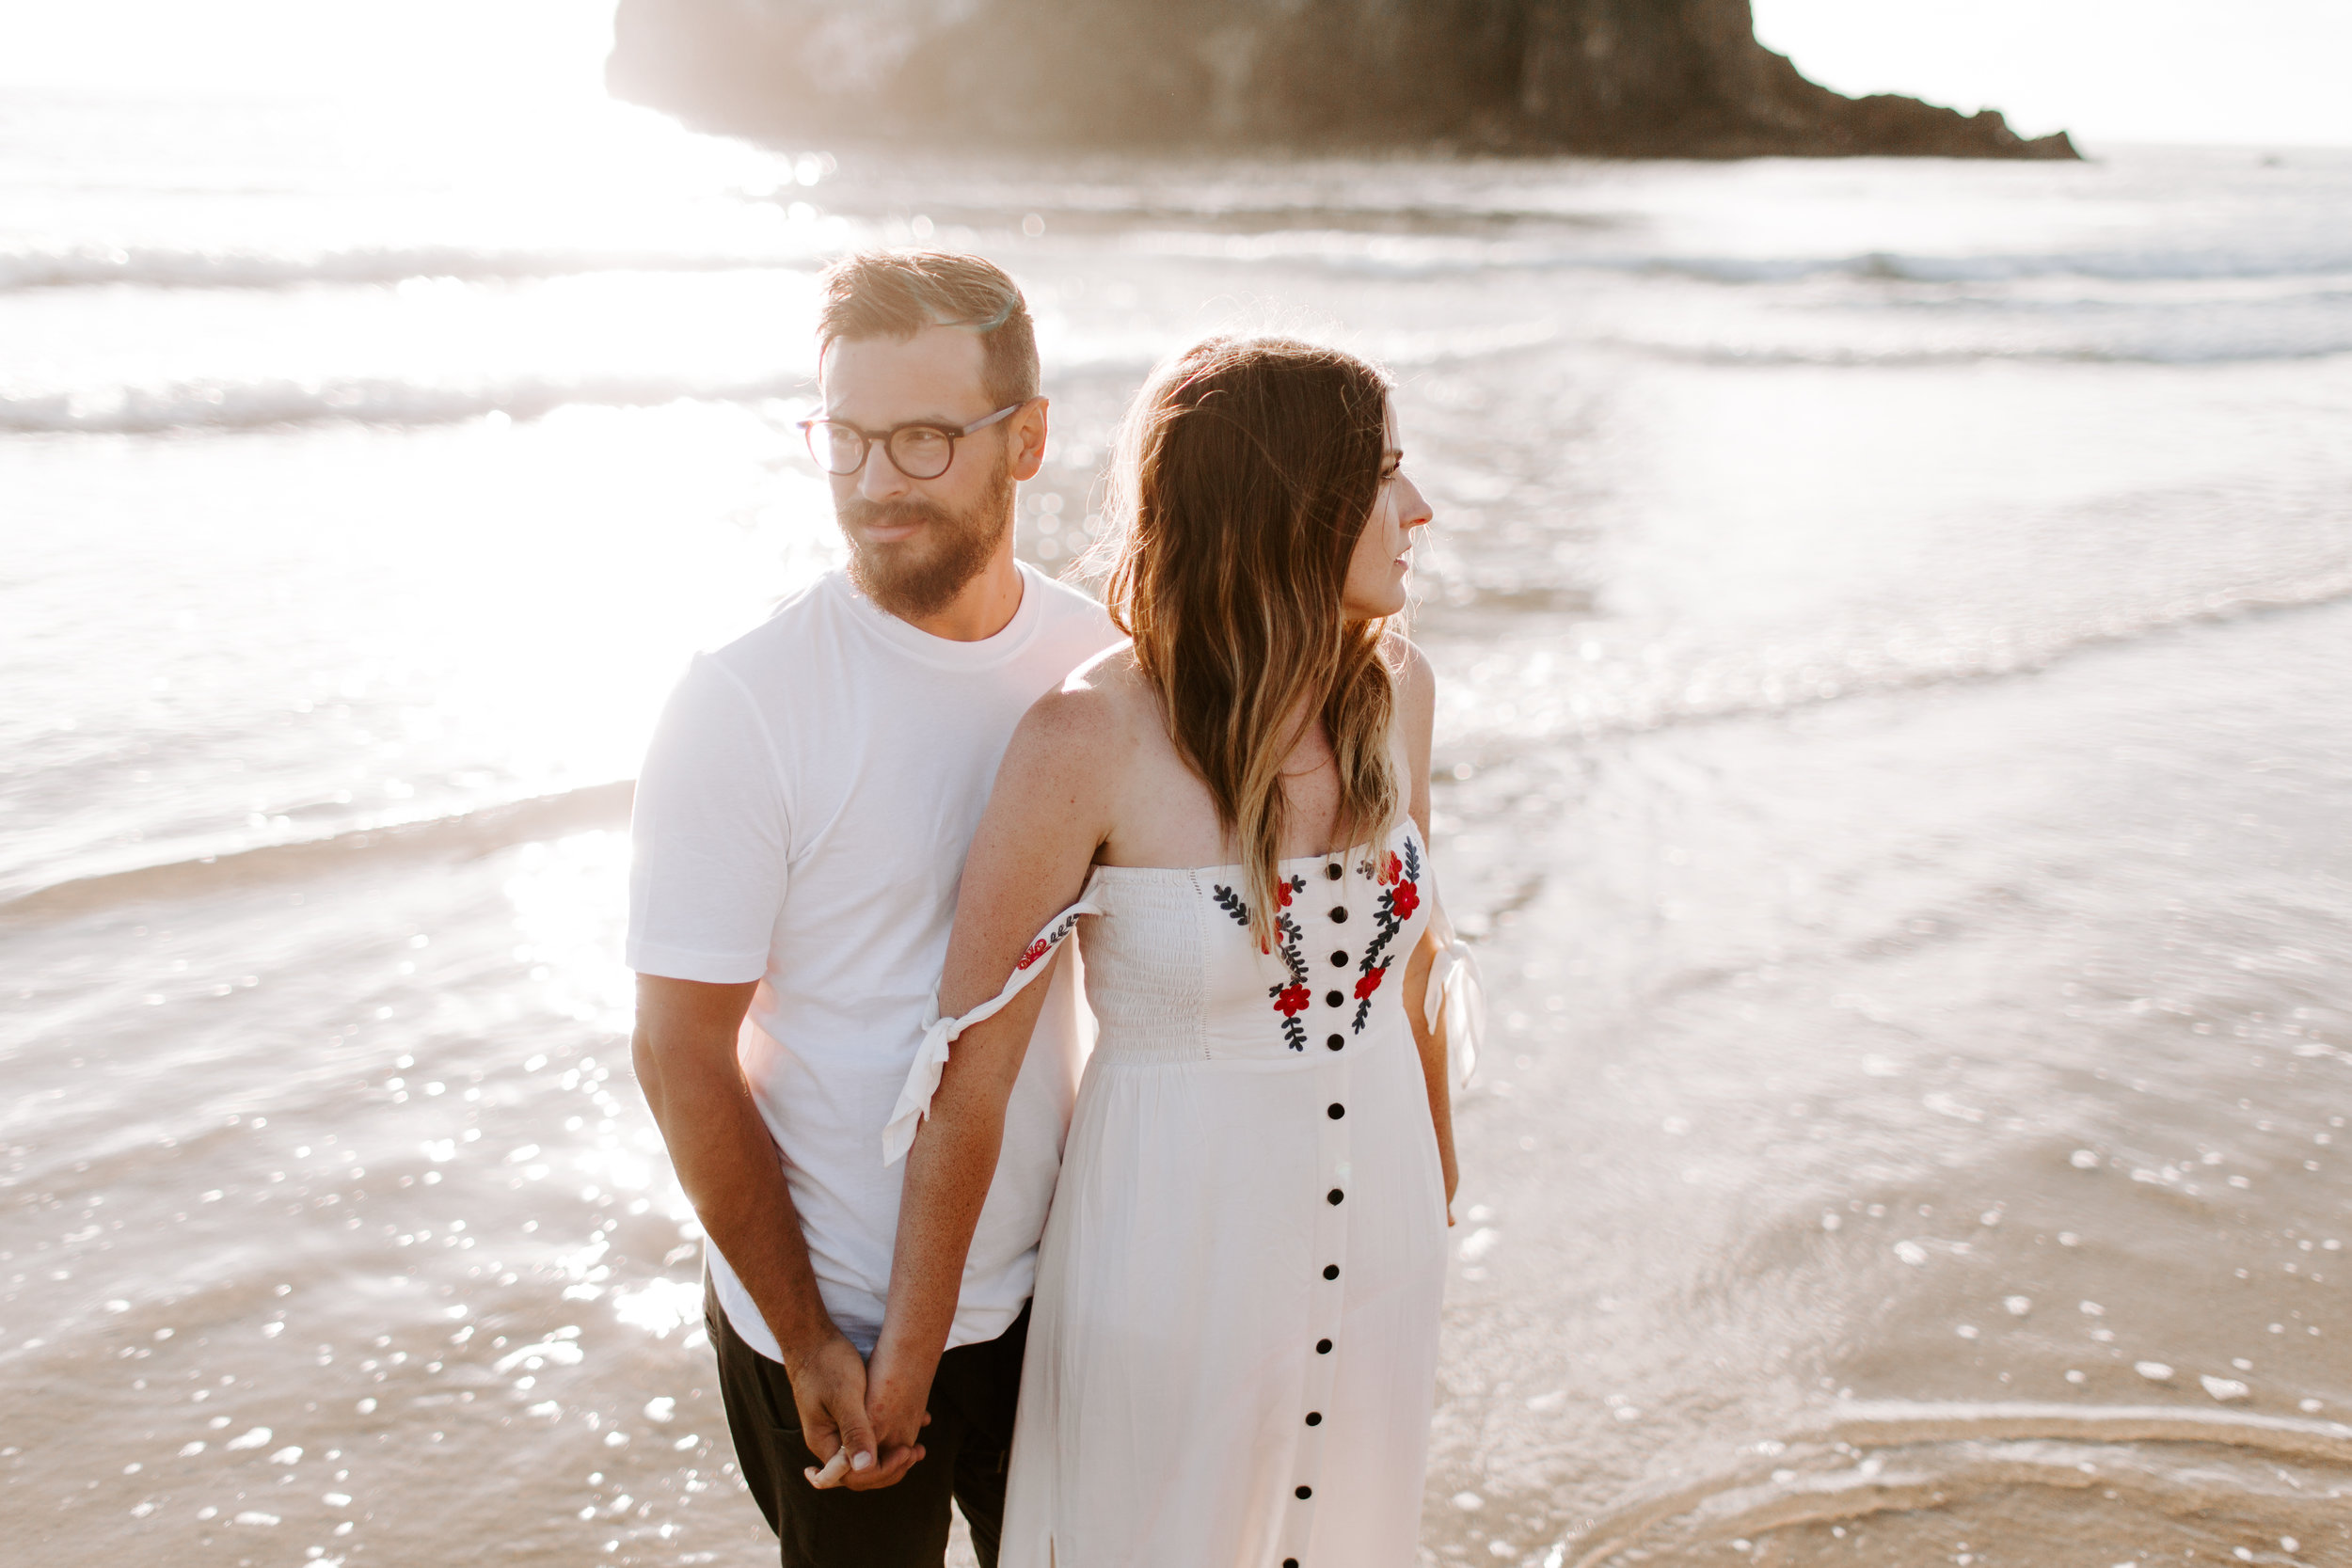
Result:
{"points": [[708, 837]]}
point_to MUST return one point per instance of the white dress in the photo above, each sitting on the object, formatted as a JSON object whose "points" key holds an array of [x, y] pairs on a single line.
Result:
{"points": [[1232, 1350]]}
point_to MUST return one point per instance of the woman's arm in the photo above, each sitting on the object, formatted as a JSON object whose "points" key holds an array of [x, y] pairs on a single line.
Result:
{"points": [[1417, 705], [1050, 808], [1431, 1042]]}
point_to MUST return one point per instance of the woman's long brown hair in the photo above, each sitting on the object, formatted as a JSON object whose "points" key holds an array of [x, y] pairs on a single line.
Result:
{"points": [[1248, 469]]}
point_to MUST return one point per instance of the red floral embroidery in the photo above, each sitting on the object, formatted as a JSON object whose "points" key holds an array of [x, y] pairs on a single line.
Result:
{"points": [[1291, 996], [1405, 901], [1366, 985], [1037, 949]]}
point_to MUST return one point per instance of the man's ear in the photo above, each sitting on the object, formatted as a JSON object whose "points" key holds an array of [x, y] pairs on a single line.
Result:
{"points": [[1028, 440]]}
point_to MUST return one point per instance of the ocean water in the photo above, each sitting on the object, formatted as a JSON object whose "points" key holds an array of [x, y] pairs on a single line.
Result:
{"points": [[1895, 622]]}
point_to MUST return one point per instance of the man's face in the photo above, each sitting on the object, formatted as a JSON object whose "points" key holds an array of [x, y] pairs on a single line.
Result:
{"points": [[916, 543]]}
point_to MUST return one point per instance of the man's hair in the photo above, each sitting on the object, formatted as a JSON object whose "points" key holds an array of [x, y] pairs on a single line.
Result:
{"points": [[896, 294]]}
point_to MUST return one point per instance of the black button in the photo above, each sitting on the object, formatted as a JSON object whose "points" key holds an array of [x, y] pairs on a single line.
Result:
{"points": [[1332, 871], [1323, 1347], [1333, 998], [1306, 1492], [1335, 1110], [1336, 1041], [1331, 1271], [1315, 1417], [1290, 1562], [1338, 958], [1337, 1197], [1339, 915]]}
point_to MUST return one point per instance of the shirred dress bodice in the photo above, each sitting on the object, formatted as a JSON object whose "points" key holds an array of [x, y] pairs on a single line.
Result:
{"points": [[1172, 973]]}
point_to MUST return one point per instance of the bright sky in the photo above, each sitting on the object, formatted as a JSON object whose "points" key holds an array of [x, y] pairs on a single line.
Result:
{"points": [[425, 49], [2251, 70], [2263, 72]]}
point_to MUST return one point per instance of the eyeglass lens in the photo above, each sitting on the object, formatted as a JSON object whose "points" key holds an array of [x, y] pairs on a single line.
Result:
{"points": [[919, 452]]}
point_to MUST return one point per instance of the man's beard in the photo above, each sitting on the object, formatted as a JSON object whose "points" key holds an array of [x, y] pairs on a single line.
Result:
{"points": [[921, 575]]}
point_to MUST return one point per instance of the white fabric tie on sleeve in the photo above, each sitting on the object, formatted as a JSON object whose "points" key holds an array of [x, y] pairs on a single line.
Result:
{"points": [[930, 1057], [1456, 995]]}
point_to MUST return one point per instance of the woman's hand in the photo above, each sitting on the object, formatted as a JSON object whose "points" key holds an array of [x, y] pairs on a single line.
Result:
{"points": [[894, 1396]]}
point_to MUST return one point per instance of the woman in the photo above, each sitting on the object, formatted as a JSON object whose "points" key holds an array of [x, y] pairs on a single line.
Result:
{"points": [[1234, 1343]]}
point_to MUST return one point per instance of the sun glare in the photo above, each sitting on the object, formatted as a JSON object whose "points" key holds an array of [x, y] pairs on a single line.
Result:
{"points": [[538, 51], [2161, 71]]}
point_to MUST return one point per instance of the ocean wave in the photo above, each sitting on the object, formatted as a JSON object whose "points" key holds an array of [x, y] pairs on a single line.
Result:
{"points": [[1722, 689], [1838, 357], [2184, 267], [462, 834], [256, 405], [1385, 251], [1686, 702], [176, 267], [1912, 1466], [1378, 248], [234, 406]]}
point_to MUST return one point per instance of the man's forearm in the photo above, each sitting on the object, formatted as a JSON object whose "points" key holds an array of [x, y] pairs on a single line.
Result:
{"points": [[727, 1162]]}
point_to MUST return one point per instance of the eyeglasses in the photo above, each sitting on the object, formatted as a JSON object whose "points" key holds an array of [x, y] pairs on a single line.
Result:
{"points": [[918, 450]]}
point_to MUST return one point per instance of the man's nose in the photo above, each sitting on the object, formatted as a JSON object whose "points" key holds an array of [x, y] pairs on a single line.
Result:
{"points": [[880, 479]]}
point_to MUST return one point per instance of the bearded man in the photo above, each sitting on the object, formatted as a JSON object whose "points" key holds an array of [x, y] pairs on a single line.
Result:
{"points": [[800, 826]]}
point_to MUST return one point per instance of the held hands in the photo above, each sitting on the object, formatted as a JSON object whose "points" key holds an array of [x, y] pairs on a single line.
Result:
{"points": [[830, 1388], [894, 1396]]}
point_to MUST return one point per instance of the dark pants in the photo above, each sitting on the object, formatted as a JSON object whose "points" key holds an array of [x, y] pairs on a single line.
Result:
{"points": [[965, 1450]]}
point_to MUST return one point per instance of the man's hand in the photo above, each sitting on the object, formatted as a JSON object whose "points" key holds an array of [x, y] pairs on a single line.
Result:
{"points": [[829, 1390], [685, 1052]]}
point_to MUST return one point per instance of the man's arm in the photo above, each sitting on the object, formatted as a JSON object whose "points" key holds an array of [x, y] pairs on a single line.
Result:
{"points": [[686, 1063]]}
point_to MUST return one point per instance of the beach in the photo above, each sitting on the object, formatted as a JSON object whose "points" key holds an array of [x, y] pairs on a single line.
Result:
{"points": [[1894, 626]]}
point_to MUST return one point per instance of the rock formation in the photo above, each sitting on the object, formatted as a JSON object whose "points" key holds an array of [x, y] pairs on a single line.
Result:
{"points": [[1620, 78]]}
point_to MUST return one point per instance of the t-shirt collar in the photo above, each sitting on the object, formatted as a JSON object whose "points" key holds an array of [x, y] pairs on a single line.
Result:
{"points": [[944, 652]]}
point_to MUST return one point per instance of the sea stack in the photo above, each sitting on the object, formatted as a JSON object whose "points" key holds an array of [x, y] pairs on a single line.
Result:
{"points": [[1612, 78]]}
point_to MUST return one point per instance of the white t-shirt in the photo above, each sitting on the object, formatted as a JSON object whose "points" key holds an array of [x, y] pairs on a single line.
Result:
{"points": [[802, 820]]}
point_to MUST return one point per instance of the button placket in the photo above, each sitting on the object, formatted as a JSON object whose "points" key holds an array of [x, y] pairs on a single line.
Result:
{"points": [[1326, 1288]]}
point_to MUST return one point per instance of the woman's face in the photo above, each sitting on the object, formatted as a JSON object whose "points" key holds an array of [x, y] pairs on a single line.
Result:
{"points": [[1376, 573]]}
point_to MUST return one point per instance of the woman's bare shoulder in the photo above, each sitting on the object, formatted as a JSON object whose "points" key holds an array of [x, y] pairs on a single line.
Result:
{"points": [[1416, 679], [1112, 671], [1097, 712]]}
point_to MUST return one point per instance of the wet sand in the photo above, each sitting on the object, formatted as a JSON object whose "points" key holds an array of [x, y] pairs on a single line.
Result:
{"points": [[1922, 1136]]}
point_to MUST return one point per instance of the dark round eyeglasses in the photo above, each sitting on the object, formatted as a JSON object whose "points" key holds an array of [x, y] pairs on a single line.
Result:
{"points": [[919, 451]]}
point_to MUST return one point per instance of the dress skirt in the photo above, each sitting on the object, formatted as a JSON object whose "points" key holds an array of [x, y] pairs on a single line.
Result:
{"points": [[1232, 1347]]}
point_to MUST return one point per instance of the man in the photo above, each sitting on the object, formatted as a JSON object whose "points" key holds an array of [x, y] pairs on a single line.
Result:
{"points": [[800, 825]]}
